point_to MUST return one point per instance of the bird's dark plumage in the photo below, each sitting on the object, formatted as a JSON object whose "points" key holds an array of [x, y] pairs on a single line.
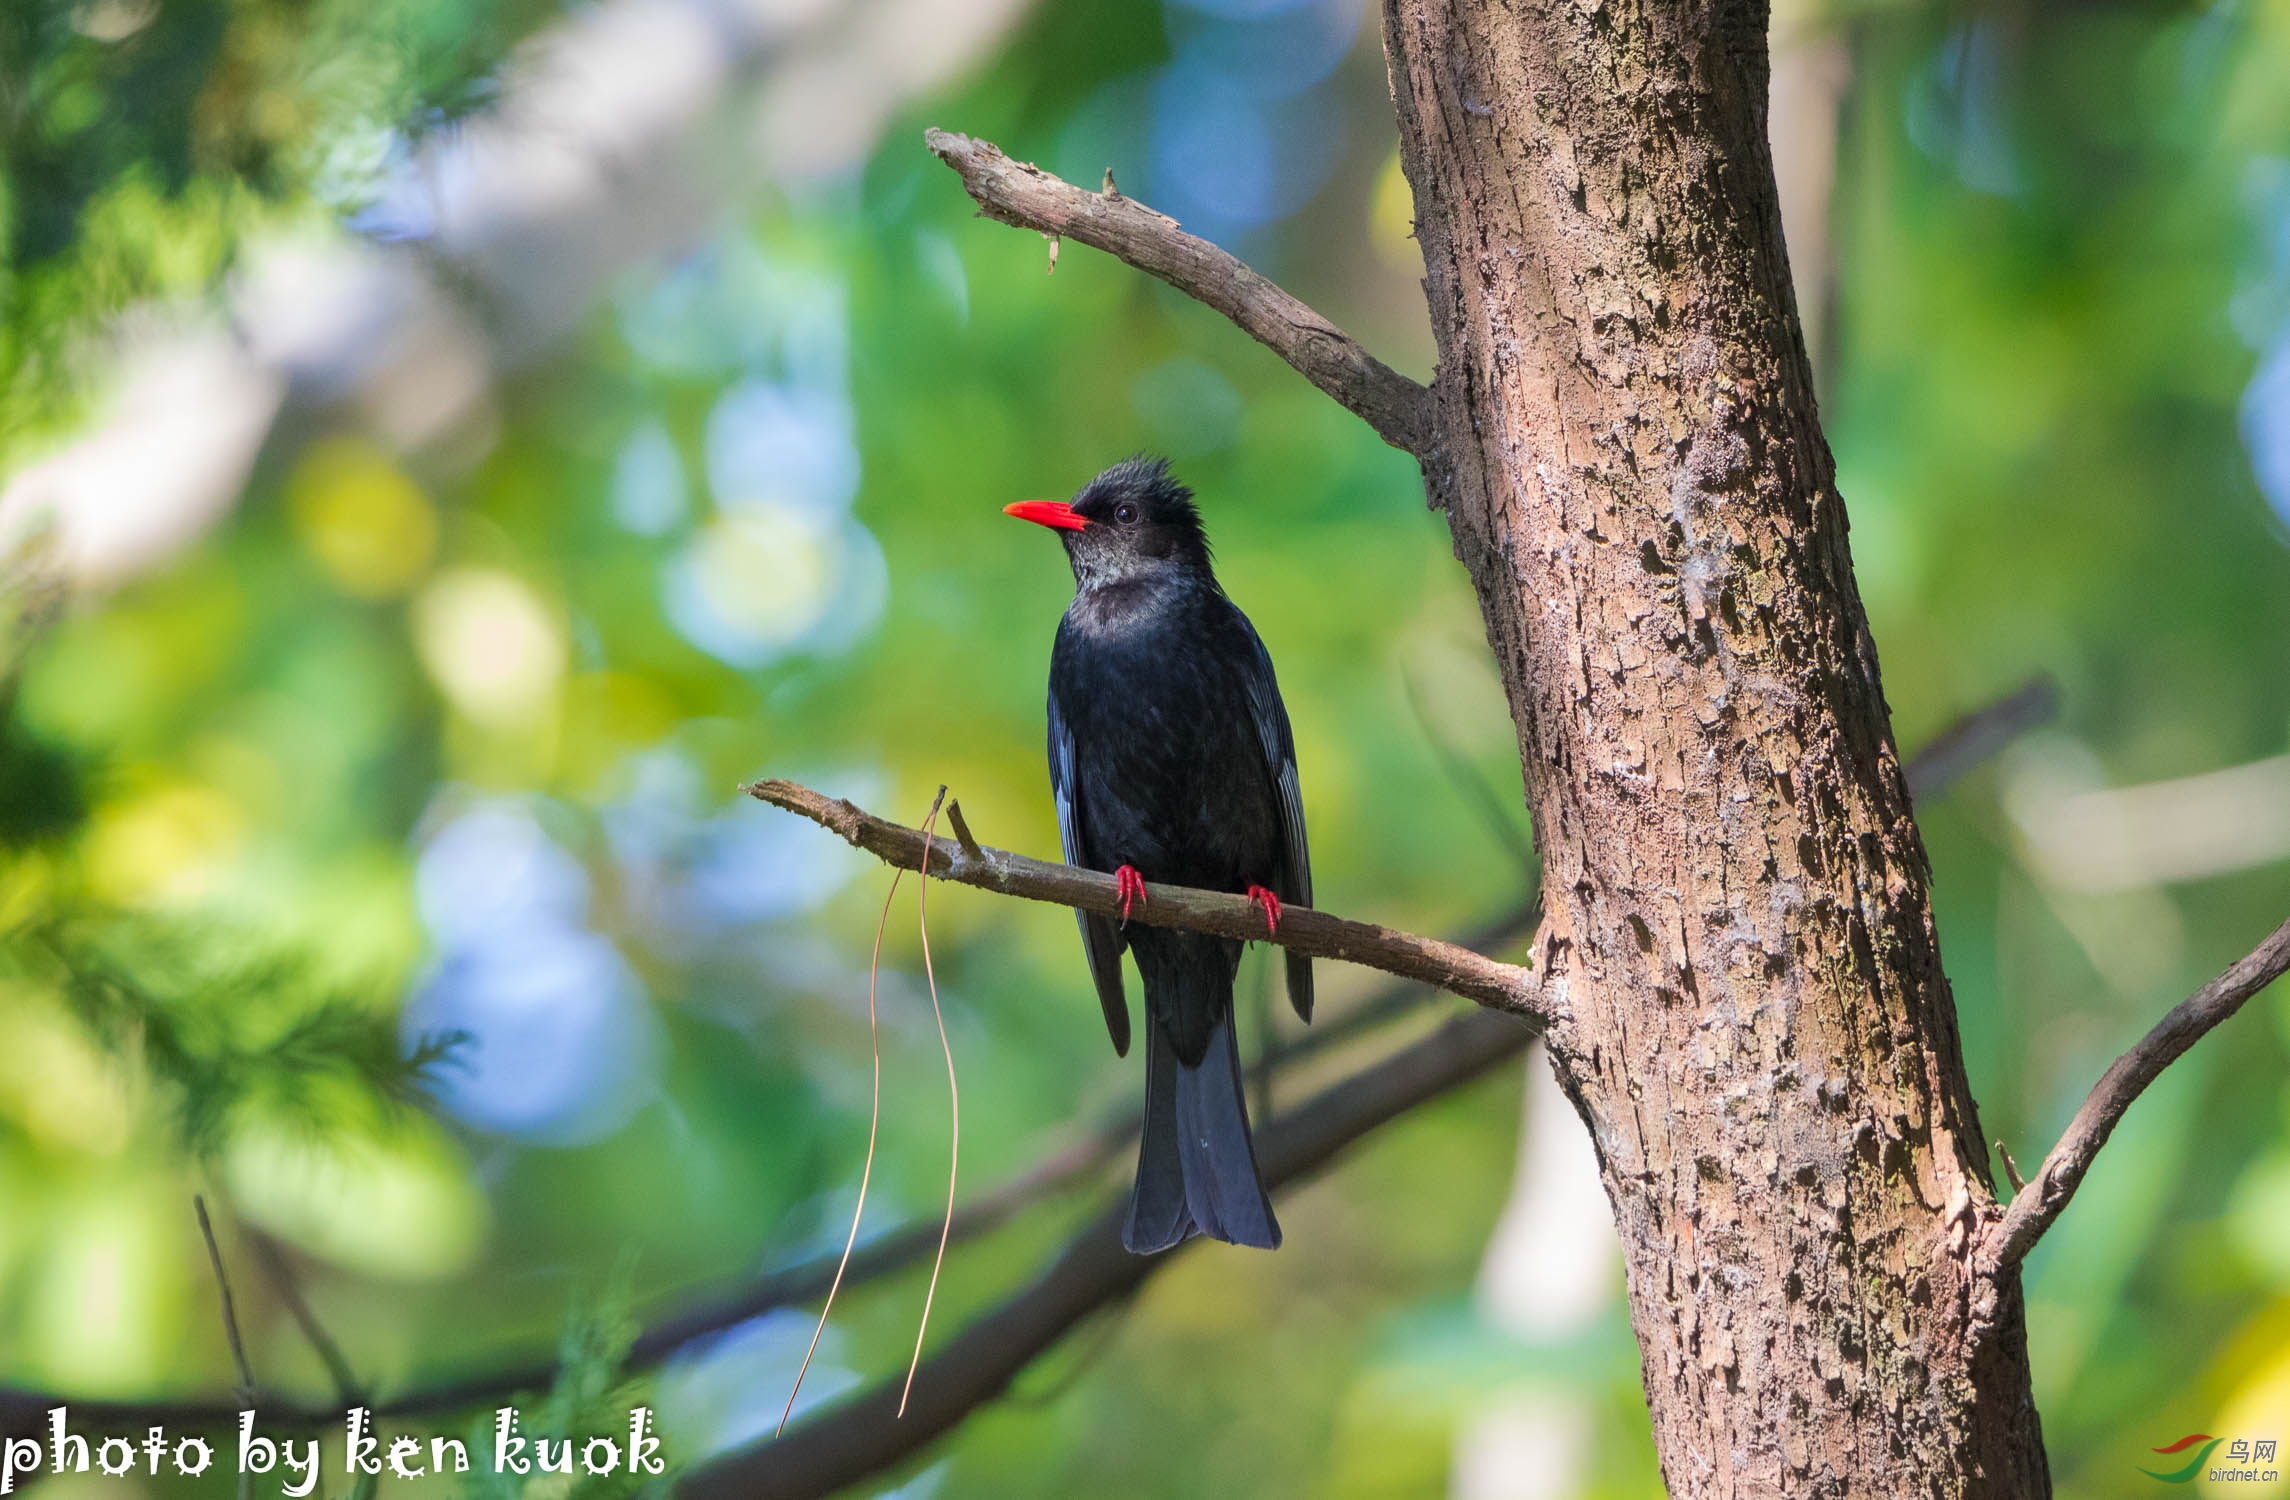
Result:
{"points": [[1170, 754]]}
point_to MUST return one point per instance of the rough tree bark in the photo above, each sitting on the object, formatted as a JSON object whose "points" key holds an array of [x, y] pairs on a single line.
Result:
{"points": [[1739, 932]]}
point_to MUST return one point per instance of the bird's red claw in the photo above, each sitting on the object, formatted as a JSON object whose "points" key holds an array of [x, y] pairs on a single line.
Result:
{"points": [[1132, 888], [1271, 905]]}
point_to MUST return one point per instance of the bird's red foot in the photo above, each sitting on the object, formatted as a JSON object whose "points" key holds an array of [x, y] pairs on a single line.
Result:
{"points": [[1271, 905], [1132, 887]]}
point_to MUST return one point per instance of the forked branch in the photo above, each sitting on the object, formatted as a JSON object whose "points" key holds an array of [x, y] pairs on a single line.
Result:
{"points": [[2037, 1206], [1022, 194], [1497, 985]]}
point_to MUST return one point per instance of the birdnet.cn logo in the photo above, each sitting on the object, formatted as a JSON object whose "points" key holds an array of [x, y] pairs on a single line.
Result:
{"points": [[2249, 1460]]}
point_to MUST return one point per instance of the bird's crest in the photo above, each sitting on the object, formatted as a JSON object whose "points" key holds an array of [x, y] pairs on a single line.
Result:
{"points": [[1168, 504]]}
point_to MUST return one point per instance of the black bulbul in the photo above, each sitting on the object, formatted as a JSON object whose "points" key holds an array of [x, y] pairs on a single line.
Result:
{"points": [[1171, 761]]}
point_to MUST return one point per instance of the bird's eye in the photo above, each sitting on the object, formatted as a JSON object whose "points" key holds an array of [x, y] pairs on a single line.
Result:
{"points": [[1125, 513]]}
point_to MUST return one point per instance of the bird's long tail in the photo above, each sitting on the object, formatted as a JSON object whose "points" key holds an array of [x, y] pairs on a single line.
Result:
{"points": [[1196, 1167]]}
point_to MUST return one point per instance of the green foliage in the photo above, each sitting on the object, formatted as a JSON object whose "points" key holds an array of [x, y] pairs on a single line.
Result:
{"points": [[141, 141], [229, 1039], [42, 796], [593, 1394], [591, 1352]]}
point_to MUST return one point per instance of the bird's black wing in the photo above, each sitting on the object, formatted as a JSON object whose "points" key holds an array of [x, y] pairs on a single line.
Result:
{"points": [[1270, 717], [1100, 938]]}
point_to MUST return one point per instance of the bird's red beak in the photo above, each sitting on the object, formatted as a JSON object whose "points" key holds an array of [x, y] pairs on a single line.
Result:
{"points": [[1053, 513]]}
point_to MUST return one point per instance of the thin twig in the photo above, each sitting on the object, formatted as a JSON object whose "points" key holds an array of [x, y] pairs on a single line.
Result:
{"points": [[962, 833], [1500, 986], [1022, 194], [283, 1281], [244, 1390], [2011, 1167], [953, 1100], [2036, 1207]]}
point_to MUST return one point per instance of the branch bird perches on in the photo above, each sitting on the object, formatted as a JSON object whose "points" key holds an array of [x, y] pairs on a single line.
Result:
{"points": [[1491, 982], [1509, 987]]}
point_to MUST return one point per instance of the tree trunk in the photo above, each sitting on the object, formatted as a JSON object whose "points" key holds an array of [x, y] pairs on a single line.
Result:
{"points": [[1740, 924]]}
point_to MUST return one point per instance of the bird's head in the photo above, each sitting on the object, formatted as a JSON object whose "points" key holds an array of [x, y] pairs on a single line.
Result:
{"points": [[1129, 523]]}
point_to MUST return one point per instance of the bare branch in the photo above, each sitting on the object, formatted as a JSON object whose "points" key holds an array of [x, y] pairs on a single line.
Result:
{"points": [[289, 1289], [962, 833], [1497, 985], [244, 1390], [1022, 194], [864, 1435], [2037, 1206]]}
